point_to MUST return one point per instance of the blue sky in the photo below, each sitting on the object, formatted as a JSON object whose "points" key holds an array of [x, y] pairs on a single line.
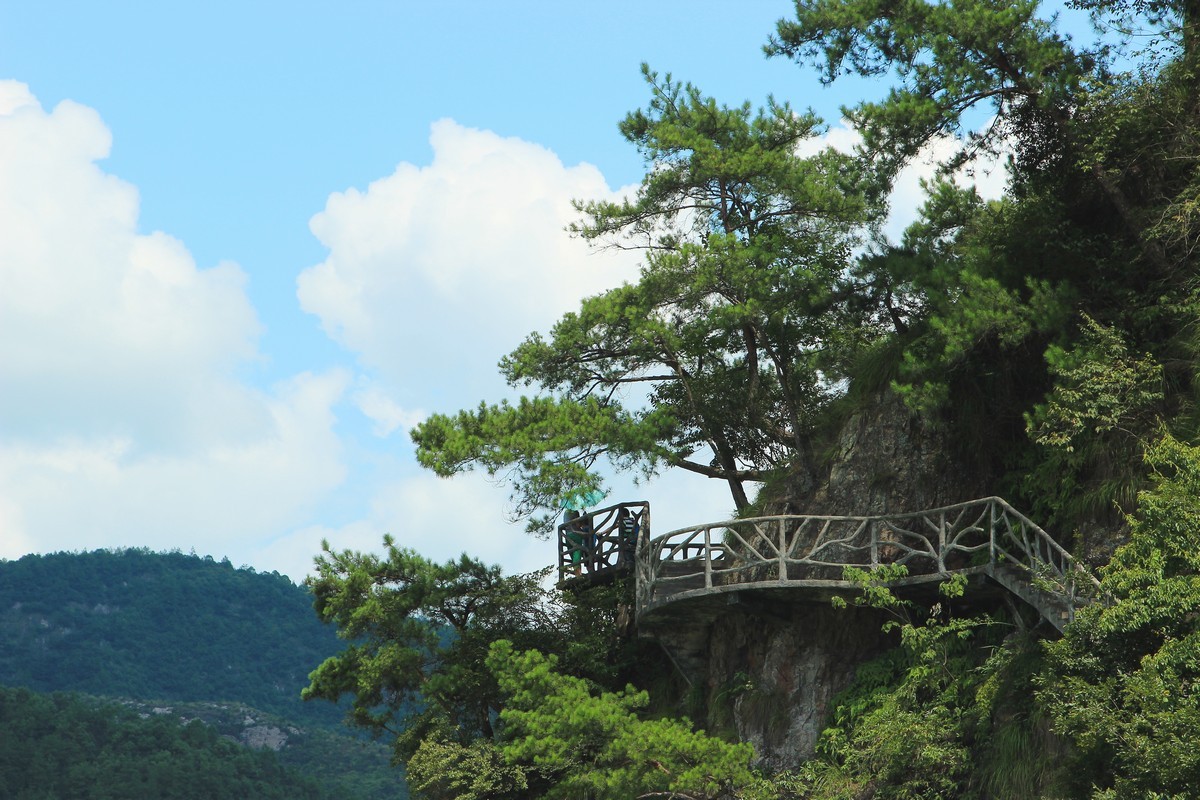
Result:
{"points": [[244, 246]]}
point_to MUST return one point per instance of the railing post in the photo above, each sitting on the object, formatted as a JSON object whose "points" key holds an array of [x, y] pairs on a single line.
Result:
{"points": [[992, 532], [783, 575], [874, 525], [941, 542], [562, 571], [708, 558], [643, 567]]}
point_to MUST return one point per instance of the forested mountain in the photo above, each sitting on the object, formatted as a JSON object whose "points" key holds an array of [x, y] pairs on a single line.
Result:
{"points": [[160, 626], [178, 636], [60, 746]]}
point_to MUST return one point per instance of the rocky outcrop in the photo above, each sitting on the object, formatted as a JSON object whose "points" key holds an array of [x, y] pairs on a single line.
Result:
{"points": [[886, 460], [777, 674], [771, 668], [263, 737], [233, 721]]}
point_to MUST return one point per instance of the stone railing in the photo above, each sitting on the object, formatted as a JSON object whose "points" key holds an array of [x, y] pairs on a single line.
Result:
{"points": [[602, 543], [814, 550]]}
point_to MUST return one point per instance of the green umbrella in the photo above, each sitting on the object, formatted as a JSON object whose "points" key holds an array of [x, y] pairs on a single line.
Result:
{"points": [[581, 500]]}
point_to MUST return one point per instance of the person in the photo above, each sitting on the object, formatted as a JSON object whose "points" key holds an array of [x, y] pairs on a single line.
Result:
{"points": [[574, 538], [627, 533], [587, 537]]}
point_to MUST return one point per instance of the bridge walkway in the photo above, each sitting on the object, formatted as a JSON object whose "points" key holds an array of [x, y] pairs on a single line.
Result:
{"points": [[804, 557]]}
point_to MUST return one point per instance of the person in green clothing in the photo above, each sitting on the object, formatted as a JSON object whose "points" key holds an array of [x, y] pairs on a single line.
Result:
{"points": [[575, 538], [580, 537]]}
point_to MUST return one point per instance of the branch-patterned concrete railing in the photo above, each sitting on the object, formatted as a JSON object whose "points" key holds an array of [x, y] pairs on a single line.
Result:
{"points": [[799, 550], [601, 542]]}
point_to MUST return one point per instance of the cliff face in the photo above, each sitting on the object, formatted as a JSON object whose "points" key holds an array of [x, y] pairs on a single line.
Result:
{"points": [[774, 668], [886, 461], [777, 673]]}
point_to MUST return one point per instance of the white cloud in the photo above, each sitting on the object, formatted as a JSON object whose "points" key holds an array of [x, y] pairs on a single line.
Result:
{"points": [[432, 274], [15, 95], [438, 518], [104, 492], [988, 175], [443, 518], [386, 414], [435, 272], [101, 328], [122, 418]]}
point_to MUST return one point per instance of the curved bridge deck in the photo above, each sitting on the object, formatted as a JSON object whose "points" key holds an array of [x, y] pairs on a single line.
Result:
{"points": [[808, 554]]}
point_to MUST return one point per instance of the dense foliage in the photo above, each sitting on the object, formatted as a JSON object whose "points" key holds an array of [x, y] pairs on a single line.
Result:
{"points": [[593, 744], [61, 746], [738, 324], [1089, 256], [755, 314], [1053, 331], [1123, 681], [125, 623], [209, 641], [433, 663], [947, 713], [415, 666]]}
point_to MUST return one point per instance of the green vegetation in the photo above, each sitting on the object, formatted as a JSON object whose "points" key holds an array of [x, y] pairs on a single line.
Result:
{"points": [[1122, 682], [587, 744], [737, 327], [1109, 711], [123, 625], [420, 633], [946, 714], [962, 708], [339, 763], [434, 664], [565, 740], [61, 746], [1052, 331], [768, 302], [1088, 256]]}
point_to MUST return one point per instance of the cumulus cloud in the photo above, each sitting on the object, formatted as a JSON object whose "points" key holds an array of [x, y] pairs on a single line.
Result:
{"points": [[439, 518], [385, 413], [84, 493], [103, 329], [122, 419], [434, 272], [443, 518], [988, 175]]}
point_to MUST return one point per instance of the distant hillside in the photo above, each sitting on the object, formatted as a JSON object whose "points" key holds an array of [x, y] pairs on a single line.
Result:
{"points": [[340, 762], [54, 746], [161, 626], [193, 638]]}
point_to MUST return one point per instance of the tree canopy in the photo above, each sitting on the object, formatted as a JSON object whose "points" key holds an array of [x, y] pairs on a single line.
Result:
{"points": [[489, 686], [1054, 329], [1094, 237], [721, 357], [417, 636], [414, 655], [1121, 683], [767, 290], [60, 745]]}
